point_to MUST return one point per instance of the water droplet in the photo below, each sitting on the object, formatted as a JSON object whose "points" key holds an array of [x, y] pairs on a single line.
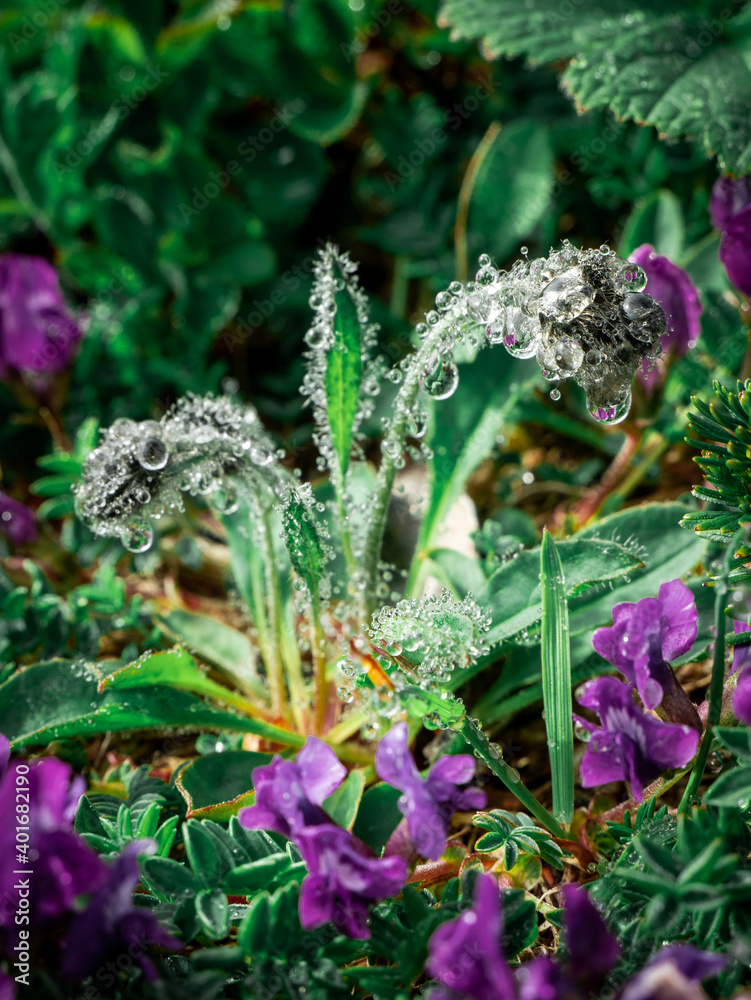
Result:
{"points": [[567, 296], [137, 536], [637, 305], [225, 500], [442, 382], [555, 394], [153, 454], [631, 277], [610, 413]]}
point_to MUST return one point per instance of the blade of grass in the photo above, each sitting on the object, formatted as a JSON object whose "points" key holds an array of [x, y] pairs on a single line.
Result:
{"points": [[556, 679]]}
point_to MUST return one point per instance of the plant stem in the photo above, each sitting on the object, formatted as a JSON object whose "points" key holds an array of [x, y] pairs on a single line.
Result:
{"points": [[717, 681], [480, 744], [274, 666], [465, 195], [318, 653]]}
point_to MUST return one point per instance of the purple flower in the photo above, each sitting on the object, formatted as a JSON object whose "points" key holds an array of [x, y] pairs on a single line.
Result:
{"points": [[64, 866], [465, 954], [37, 332], [674, 972], [591, 948], [344, 876], [671, 287], [631, 745], [741, 654], [17, 521], [429, 803], [742, 697], [730, 207], [646, 635], [289, 794], [111, 924]]}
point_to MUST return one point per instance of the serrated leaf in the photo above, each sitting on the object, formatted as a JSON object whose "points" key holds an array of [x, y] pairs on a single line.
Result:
{"points": [[654, 64]]}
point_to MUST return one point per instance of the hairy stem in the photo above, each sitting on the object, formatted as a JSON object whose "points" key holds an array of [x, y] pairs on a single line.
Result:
{"points": [[480, 744]]}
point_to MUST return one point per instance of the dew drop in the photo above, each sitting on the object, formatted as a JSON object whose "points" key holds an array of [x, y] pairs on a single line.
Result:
{"points": [[442, 382], [610, 413], [137, 536], [153, 454]]}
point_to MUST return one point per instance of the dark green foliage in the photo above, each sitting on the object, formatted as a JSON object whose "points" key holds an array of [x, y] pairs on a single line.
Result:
{"points": [[517, 834], [680, 67]]}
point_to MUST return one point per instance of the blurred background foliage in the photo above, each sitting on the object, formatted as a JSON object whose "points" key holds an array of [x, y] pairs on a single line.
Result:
{"points": [[181, 162]]}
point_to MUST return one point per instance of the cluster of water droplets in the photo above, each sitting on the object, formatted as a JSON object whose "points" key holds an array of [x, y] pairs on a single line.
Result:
{"points": [[141, 470], [581, 313]]}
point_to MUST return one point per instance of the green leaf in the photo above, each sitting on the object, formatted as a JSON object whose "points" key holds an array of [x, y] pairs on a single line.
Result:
{"points": [[732, 789], [460, 572], [520, 164], [737, 741], [378, 816], [216, 643], [248, 878], [342, 806], [556, 679], [464, 431], [657, 220], [170, 878], [212, 911], [218, 785], [209, 858], [303, 543], [510, 854], [343, 377], [512, 595], [654, 64], [56, 698]]}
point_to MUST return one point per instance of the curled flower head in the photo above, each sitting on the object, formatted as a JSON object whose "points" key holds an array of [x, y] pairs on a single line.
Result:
{"points": [[141, 470], [289, 793], [630, 745], [669, 285], [730, 207], [645, 636], [429, 803], [344, 877], [17, 521], [38, 335]]}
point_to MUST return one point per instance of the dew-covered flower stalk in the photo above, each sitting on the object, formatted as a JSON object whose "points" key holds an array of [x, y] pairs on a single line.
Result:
{"points": [[581, 313]]}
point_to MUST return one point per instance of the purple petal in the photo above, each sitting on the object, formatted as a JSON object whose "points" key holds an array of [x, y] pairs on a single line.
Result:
{"points": [[729, 198], [464, 954], [7, 987], [735, 251], [670, 745], [542, 979], [592, 949], [17, 521], [675, 971], [742, 697], [741, 654], [322, 771], [4, 755], [603, 760], [394, 763], [316, 902], [671, 287], [680, 619], [452, 769]]}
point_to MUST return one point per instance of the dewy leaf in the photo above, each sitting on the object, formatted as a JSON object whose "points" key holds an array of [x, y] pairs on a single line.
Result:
{"points": [[556, 679], [512, 594], [218, 785], [672, 65], [343, 376], [342, 806]]}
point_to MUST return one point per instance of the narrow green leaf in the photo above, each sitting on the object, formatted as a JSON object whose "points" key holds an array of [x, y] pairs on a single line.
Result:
{"points": [[343, 377], [732, 789], [556, 679]]}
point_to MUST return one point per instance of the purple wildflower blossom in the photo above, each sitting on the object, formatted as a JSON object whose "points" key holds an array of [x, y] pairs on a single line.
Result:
{"points": [[37, 332], [730, 208], [591, 948], [742, 697], [631, 745], [65, 867], [344, 876], [741, 654], [646, 635], [17, 521], [429, 803], [671, 287], [289, 793], [112, 924], [465, 954], [673, 973]]}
